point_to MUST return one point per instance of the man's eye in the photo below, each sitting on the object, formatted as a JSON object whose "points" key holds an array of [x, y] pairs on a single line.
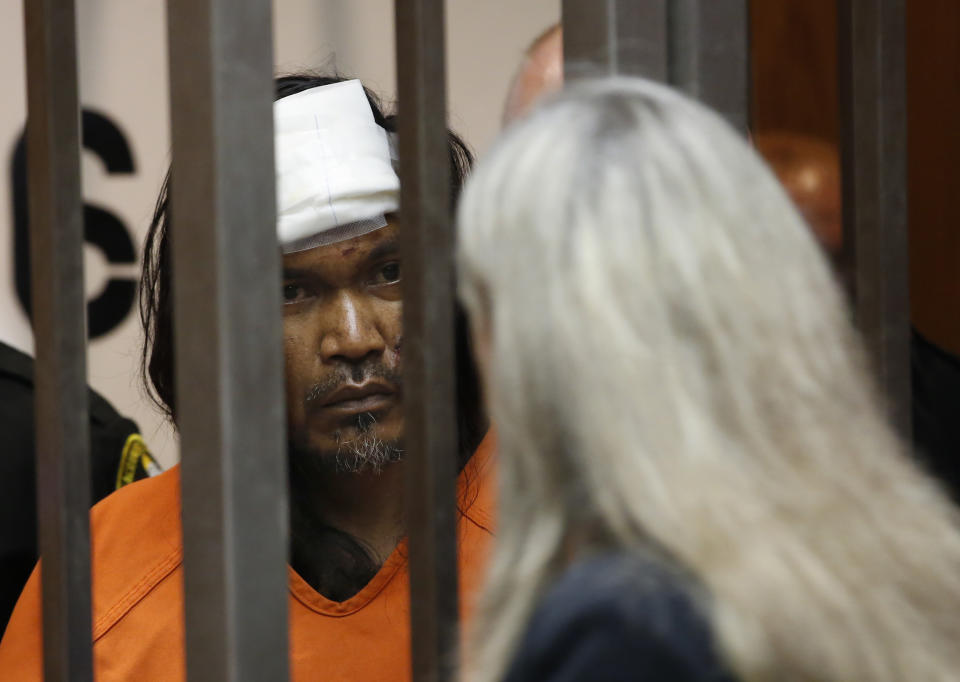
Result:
{"points": [[389, 273], [293, 293]]}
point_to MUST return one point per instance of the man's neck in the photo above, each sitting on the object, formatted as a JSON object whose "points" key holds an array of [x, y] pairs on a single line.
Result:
{"points": [[344, 526]]}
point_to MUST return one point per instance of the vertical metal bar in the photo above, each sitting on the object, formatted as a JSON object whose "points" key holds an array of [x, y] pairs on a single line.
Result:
{"points": [[229, 363], [710, 55], [606, 37], [872, 47], [61, 411], [428, 351]]}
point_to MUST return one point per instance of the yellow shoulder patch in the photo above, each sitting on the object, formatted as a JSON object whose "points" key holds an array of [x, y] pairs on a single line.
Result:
{"points": [[134, 451]]}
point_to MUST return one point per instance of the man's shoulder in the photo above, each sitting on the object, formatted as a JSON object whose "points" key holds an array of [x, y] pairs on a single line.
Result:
{"points": [[478, 486], [149, 507], [136, 543]]}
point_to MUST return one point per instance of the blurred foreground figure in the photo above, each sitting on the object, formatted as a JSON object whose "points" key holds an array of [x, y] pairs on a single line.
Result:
{"points": [[697, 481], [809, 169]]}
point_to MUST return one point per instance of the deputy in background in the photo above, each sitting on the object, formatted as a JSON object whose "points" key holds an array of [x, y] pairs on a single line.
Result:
{"points": [[697, 478], [118, 456]]}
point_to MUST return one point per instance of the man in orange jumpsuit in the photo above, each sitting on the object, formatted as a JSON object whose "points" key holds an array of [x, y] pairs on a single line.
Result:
{"points": [[349, 604]]}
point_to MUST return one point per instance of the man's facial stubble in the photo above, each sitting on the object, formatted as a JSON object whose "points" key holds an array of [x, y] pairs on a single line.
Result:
{"points": [[358, 447]]}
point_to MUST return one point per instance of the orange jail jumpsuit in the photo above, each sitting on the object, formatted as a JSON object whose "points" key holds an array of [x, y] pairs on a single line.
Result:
{"points": [[138, 628]]}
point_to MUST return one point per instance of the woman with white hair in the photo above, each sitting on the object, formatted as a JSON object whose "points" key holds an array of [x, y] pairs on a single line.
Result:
{"points": [[697, 480]]}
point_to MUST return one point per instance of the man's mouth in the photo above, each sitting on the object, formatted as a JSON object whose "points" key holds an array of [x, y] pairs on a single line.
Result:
{"points": [[371, 396]]}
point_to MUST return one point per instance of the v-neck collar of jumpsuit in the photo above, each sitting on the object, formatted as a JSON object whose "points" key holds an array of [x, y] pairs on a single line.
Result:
{"points": [[136, 563]]}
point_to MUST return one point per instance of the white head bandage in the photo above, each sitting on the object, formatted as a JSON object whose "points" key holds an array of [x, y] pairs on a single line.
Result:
{"points": [[335, 178]]}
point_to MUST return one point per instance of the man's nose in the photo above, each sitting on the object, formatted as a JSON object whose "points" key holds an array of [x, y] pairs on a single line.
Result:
{"points": [[349, 331]]}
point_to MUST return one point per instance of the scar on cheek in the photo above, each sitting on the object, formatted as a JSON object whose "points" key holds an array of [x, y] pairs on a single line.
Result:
{"points": [[397, 345], [292, 345], [347, 251]]}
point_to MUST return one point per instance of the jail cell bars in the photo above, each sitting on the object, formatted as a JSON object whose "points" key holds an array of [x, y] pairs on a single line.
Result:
{"points": [[61, 412], [228, 339], [228, 352], [428, 352], [872, 56], [607, 37], [709, 55]]}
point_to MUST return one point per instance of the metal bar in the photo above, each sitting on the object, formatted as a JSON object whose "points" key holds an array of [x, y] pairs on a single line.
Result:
{"points": [[61, 411], [872, 47], [229, 362], [606, 37], [710, 55], [428, 349]]}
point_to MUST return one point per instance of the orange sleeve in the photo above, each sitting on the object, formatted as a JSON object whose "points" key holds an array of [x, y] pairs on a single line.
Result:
{"points": [[135, 546], [21, 650]]}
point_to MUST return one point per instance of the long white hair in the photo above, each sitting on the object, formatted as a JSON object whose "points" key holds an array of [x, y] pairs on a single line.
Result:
{"points": [[672, 367]]}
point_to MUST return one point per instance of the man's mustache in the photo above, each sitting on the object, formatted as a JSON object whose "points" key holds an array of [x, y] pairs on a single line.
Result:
{"points": [[357, 374]]}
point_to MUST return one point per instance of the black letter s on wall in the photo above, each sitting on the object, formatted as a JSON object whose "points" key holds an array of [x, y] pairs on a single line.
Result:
{"points": [[101, 228]]}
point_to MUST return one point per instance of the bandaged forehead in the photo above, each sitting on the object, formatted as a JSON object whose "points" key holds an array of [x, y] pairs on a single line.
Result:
{"points": [[335, 174]]}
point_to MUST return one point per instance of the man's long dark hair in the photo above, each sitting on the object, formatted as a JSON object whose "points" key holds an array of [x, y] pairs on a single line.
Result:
{"points": [[347, 564], [156, 297]]}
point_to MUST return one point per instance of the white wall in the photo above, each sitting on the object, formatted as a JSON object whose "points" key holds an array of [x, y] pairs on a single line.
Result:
{"points": [[123, 74]]}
